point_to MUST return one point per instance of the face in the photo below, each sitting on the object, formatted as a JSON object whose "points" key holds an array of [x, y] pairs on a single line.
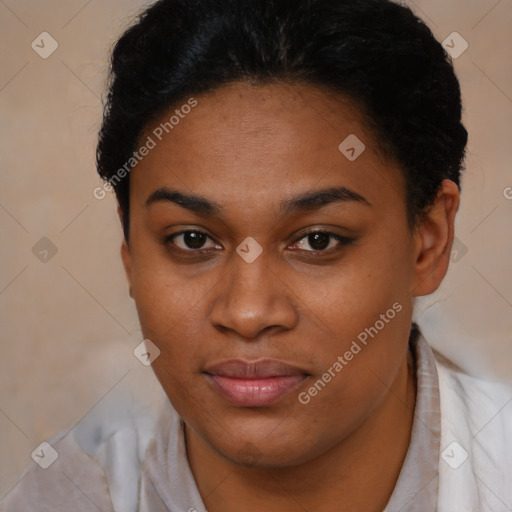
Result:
{"points": [[274, 270]]}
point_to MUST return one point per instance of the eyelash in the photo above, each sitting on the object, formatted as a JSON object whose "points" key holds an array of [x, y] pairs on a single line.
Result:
{"points": [[343, 241]]}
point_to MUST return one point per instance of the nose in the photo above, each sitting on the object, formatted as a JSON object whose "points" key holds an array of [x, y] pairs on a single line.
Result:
{"points": [[253, 298]]}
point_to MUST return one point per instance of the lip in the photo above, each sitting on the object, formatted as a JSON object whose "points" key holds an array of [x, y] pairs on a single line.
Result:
{"points": [[254, 383]]}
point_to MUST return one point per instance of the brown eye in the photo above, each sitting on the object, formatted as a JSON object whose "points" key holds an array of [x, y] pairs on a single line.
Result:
{"points": [[321, 241], [189, 240]]}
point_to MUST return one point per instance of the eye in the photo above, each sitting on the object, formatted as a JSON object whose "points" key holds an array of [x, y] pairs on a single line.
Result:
{"points": [[195, 241], [190, 241], [322, 241]]}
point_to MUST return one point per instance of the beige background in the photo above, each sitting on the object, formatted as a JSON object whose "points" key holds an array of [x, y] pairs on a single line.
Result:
{"points": [[68, 327]]}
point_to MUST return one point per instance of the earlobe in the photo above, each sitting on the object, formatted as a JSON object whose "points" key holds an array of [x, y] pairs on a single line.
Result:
{"points": [[434, 239]]}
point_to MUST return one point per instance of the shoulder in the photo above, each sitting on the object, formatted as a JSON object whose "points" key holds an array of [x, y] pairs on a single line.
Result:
{"points": [[483, 402], [95, 465], [475, 466], [71, 481]]}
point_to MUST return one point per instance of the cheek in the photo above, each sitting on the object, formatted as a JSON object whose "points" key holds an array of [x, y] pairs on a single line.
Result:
{"points": [[360, 368], [352, 296], [366, 308], [169, 308], [162, 293]]}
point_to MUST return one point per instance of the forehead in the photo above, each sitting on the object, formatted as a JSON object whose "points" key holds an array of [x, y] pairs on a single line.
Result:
{"points": [[256, 143]]}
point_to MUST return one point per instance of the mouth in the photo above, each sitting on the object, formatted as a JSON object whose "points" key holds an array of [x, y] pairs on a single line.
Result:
{"points": [[254, 384]]}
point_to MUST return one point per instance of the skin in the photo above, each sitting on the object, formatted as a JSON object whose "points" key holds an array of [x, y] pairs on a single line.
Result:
{"points": [[248, 148]]}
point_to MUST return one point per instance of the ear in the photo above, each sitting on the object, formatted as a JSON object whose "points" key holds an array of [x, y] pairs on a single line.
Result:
{"points": [[126, 256], [433, 240]]}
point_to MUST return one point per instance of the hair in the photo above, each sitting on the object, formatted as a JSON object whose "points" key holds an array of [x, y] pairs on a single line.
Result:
{"points": [[376, 53]]}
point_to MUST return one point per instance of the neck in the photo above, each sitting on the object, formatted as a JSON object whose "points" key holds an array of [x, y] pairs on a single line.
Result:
{"points": [[359, 473]]}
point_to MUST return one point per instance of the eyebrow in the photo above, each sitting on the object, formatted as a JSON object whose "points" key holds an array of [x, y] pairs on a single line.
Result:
{"points": [[307, 201]]}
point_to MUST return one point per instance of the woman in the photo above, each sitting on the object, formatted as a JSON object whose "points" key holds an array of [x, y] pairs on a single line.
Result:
{"points": [[287, 175]]}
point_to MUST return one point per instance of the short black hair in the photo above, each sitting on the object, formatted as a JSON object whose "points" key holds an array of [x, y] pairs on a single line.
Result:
{"points": [[377, 53]]}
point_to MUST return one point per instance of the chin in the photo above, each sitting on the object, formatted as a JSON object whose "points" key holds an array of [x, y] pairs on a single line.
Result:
{"points": [[264, 453]]}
